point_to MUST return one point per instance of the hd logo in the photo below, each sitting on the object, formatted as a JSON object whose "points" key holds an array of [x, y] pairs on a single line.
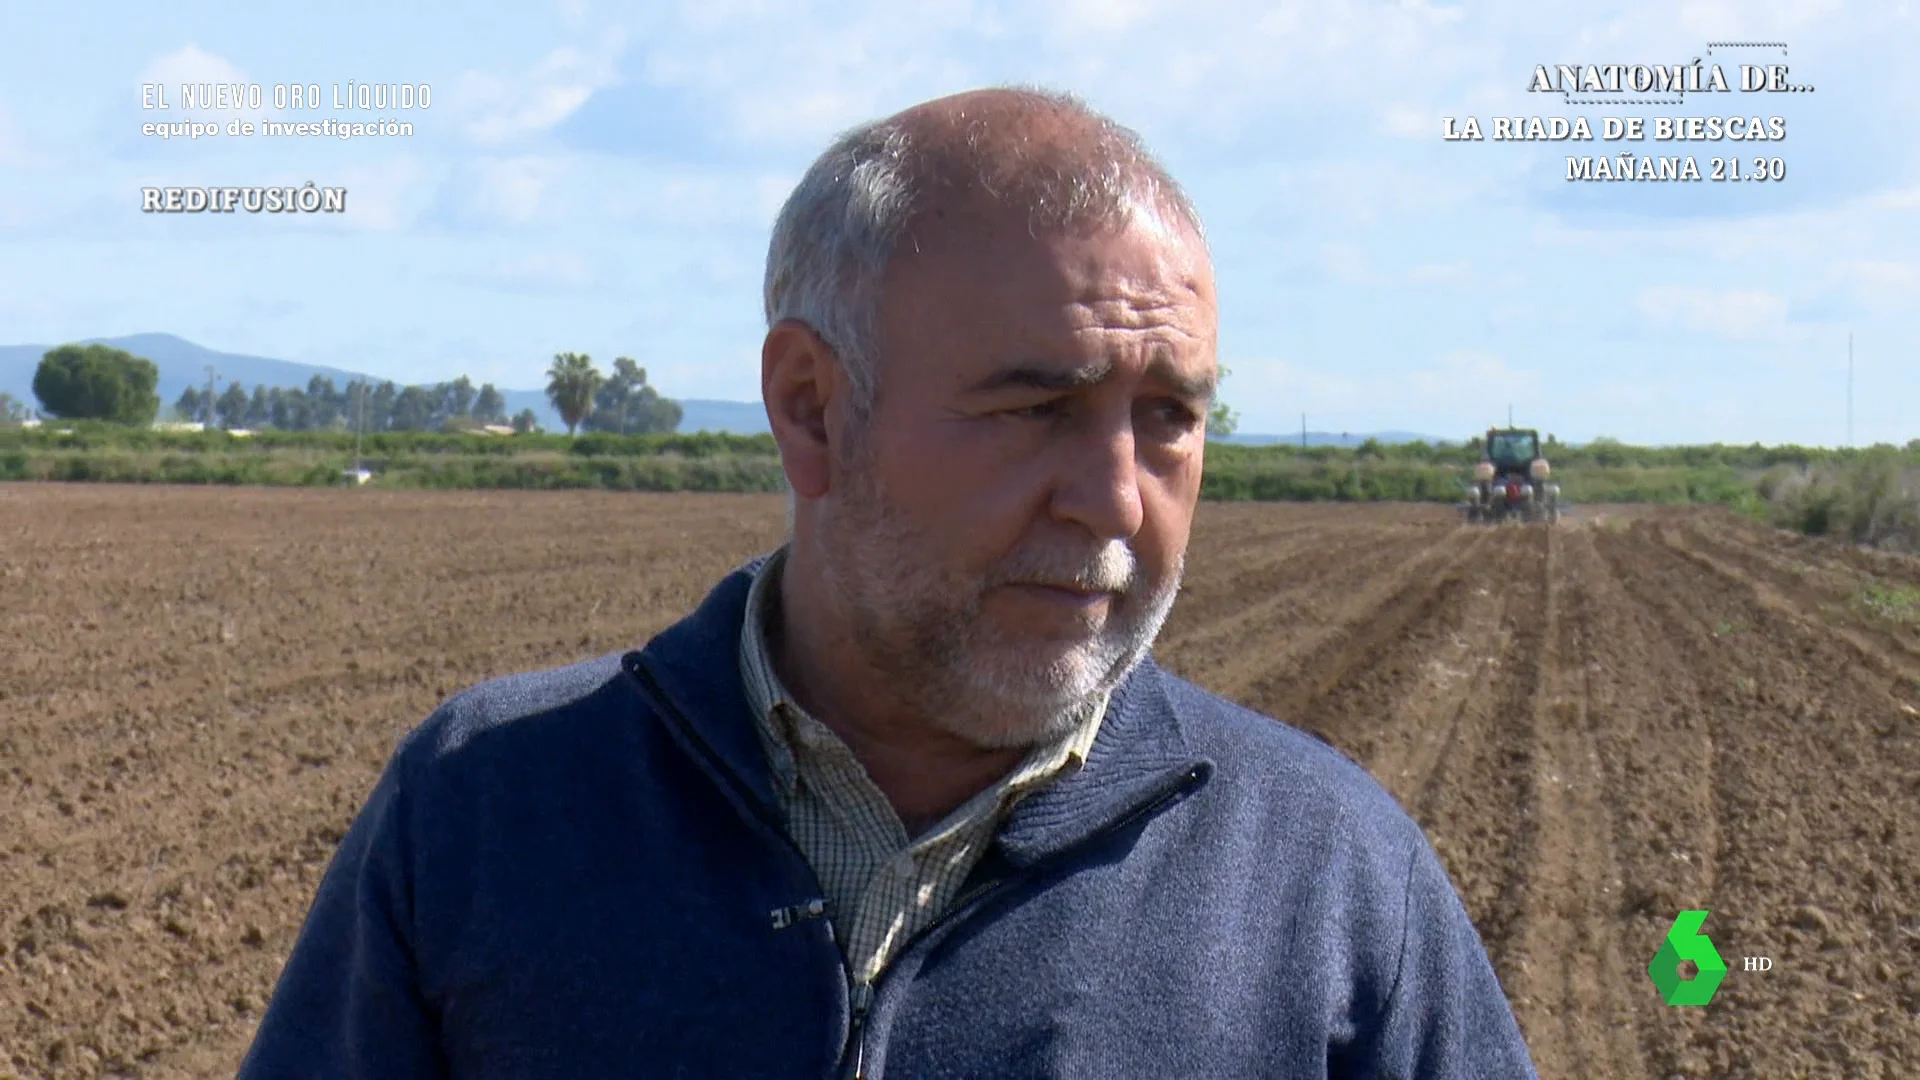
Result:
{"points": [[1686, 942]]}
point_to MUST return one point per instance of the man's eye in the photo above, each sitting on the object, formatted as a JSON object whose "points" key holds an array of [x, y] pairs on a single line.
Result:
{"points": [[1178, 413], [1041, 411]]}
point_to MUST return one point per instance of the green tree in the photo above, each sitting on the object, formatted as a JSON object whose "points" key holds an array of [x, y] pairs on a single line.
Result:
{"points": [[380, 407], [413, 410], [458, 398], [1221, 419], [356, 405], [194, 405], [490, 407], [572, 381], [230, 408], [626, 405], [525, 423], [1606, 451], [324, 404], [260, 407], [291, 410], [12, 411], [97, 382]]}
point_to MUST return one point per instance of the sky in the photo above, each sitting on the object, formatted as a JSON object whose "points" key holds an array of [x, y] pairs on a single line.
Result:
{"points": [[601, 177]]}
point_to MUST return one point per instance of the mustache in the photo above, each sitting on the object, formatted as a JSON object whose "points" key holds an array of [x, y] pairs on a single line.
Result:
{"points": [[1111, 568]]}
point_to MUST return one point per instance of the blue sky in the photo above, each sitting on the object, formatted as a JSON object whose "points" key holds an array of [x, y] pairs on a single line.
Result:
{"points": [[600, 177]]}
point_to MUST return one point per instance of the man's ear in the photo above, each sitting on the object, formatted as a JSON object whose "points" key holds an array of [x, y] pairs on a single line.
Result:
{"points": [[799, 375]]}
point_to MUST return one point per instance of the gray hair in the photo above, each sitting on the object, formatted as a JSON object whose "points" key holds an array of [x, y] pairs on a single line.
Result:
{"points": [[838, 230]]}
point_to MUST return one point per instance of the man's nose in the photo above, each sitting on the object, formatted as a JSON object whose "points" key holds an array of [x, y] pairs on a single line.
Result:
{"points": [[1099, 488]]}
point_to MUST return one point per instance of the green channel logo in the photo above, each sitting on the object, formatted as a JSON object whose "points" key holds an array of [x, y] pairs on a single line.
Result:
{"points": [[1686, 942]]}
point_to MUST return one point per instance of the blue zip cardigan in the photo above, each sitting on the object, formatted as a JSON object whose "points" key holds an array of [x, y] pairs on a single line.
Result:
{"points": [[582, 873]]}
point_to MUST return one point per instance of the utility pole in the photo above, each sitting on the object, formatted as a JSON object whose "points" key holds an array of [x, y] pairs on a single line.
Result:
{"points": [[1849, 389], [1509, 416], [211, 375], [359, 427], [1303, 431]]}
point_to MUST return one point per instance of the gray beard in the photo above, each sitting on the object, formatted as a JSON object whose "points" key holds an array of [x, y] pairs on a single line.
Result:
{"points": [[922, 628]]}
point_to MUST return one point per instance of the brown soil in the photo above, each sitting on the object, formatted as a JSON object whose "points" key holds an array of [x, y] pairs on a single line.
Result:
{"points": [[1599, 725]]}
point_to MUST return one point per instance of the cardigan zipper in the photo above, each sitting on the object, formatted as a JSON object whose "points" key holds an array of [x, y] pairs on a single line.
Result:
{"points": [[963, 905], [858, 1004], [861, 994], [855, 1059]]}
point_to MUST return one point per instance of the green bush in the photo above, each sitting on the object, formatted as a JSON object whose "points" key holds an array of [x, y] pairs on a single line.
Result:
{"points": [[1873, 499], [1864, 495]]}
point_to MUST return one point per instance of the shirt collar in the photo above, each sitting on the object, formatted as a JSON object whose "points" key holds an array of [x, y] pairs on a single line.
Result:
{"points": [[766, 694]]}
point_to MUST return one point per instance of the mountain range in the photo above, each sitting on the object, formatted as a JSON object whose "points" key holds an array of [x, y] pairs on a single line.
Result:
{"points": [[183, 363]]}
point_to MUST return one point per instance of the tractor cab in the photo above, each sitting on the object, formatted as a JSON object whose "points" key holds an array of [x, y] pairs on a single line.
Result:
{"points": [[1511, 480], [1513, 450]]}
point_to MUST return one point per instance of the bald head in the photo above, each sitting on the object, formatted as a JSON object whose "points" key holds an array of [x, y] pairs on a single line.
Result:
{"points": [[1044, 156]]}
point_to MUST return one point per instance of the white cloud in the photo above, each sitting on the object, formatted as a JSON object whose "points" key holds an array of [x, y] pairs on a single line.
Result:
{"points": [[499, 110], [1883, 284], [1217, 72], [545, 271], [1466, 374], [685, 198], [1747, 19], [1738, 314], [512, 189], [191, 64], [1106, 16], [207, 72], [1809, 235], [1273, 392], [1362, 192], [1624, 396], [14, 152], [1346, 262], [1906, 199], [1309, 128], [771, 193], [1297, 385], [1410, 122], [387, 195], [1448, 273]]}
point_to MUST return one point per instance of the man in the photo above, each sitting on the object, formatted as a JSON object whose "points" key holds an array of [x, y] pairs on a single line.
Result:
{"points": [[907, 798]]}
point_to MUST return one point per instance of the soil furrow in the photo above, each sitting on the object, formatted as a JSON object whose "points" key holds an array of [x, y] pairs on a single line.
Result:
{"points": [[1643, 711], [1573, 990], [1888, 641], [1297, 670], [1796, 779], [1289, 595]]}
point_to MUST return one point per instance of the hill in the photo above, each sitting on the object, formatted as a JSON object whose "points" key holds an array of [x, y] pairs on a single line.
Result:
{"points": [[183, 363], [1328, 438]]}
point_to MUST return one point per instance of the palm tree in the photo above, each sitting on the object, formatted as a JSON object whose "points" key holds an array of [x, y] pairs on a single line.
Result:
{"points": [[571, 383]]}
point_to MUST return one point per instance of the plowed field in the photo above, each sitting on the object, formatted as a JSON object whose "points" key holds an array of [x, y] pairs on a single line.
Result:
{"points": [[1599, 725]]}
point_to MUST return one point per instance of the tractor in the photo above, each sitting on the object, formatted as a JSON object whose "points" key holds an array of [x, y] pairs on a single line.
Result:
{"points": [[1511, 482]]}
